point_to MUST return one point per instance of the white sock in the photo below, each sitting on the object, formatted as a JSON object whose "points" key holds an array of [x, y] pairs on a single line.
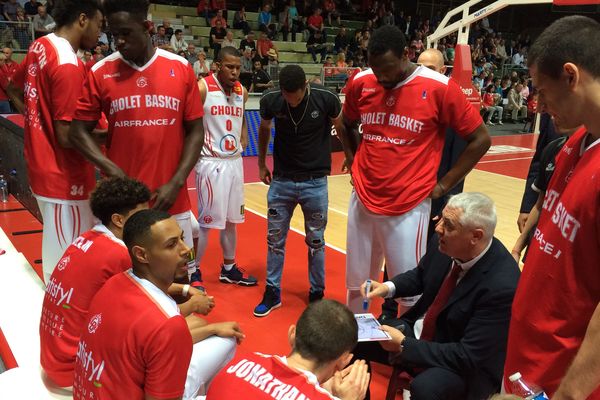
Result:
{"points": [[228, 266]]}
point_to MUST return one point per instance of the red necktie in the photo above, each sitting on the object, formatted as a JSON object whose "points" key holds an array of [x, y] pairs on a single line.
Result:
{"points": [[440, 301]]}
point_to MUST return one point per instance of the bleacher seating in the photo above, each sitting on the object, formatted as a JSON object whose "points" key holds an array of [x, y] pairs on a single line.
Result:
{"points": [[196, 31]]}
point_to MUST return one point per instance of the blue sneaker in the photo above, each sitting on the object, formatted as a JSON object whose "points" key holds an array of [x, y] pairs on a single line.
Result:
{"points": [[270, 301], [237, 276]]}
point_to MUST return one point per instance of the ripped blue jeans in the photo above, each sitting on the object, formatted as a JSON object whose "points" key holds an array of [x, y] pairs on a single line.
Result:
{"points": [[283, 197]]}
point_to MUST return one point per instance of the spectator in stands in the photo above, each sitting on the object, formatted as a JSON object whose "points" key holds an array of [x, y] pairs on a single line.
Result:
{"points": [[341, 64], [515, 103], [331, 12], [202, 65], [218, 17], [203, 11], [246, 70], [525, 90], [216, 36], [168, 29], [43, 23], [480, 78], [263, 45], [296, 18], [98, 53], [248, 41], [240, 20], [191, 53], [261, 80], [229, 41], [219, 5], [265, 22], [316, 45], [88, 60], [388, 18], [328, 67], [490, 105], [341, 42], [10, 65], [21, 29], [467, 279], [517, 58], [178, 43], [285, 23], [160, 39], [9, 10], [314, 23], [4, 79], [321, 341], [31, 7]]}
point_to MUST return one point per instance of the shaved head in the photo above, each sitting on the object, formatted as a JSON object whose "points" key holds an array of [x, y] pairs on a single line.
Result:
{"points": [[432, 59]]}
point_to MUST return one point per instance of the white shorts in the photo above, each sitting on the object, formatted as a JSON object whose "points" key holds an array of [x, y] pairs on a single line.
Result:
{"points": [[64, 221], [220, 185], [209, 356], [401, 240]]}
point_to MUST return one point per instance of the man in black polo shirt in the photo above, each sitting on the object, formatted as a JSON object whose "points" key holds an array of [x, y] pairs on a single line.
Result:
{"points": [[303, 113]]}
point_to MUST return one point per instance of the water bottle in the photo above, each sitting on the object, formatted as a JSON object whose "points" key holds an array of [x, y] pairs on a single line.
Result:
{"points": [[525, 389], [3, 190]]}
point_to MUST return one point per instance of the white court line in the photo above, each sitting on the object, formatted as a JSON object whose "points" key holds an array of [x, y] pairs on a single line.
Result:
{"points": [[338, 211], [506, 159], [295, 230]]}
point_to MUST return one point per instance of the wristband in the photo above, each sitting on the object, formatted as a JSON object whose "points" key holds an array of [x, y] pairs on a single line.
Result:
{"points": [[185, 290]]}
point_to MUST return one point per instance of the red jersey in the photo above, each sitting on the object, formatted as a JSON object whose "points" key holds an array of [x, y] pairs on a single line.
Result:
{"points": [[315, 20], [146, 109], [403, 132], [133, 342], [7, 70], [257, 376], [561, 276], [93, 257], [52, 77]]}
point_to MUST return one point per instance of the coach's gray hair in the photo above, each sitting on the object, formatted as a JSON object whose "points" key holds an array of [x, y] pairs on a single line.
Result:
{"points": [[478, 211]]}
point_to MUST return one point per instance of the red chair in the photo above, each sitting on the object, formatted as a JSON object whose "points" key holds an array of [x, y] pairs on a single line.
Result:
{"points": [[400, 380]]}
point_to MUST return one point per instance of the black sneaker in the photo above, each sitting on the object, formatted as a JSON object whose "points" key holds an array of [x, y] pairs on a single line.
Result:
{"points": [[237, 276], [270, 301], [315, 296]]}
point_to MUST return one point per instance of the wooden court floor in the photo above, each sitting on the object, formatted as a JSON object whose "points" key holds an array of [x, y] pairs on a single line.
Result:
{"points": [[500, 174]]}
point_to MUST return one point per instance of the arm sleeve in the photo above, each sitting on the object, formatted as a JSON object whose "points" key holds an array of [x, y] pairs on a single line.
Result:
{"points": [[485, 336], [458, 112], [167, 358], [334, 106], [193, 104], [89, 106], [265, 108], [350, 104], [66, 83]]}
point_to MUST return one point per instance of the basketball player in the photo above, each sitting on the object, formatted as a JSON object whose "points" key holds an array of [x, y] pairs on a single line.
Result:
{"points": [[85, 266], [49, 81], [151, 99], [554, 333], [219, 172], [404, 110]]}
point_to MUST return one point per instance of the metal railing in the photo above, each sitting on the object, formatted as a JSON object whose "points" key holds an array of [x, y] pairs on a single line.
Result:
{"points": [[17, 35]]}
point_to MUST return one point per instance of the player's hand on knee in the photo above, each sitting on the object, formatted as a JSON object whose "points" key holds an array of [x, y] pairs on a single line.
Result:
{"points": [[229, 329], [165, 196], [352, 382], [265, 175], [377, 290]]}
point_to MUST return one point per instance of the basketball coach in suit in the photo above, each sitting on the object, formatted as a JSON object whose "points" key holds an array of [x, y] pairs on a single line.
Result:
{"points": [[453, 340]]}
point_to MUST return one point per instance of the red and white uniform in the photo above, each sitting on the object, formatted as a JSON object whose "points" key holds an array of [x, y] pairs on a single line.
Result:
{"points": [[146, 109], [395, 168], [60, 178], [220, 170], [258, 376], [561, 276], [134, 342], [94, 257]]}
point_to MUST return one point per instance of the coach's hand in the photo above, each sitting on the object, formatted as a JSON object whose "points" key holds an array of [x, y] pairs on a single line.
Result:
{"points": [[377, 290], [165, 196], [264, 174]]}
